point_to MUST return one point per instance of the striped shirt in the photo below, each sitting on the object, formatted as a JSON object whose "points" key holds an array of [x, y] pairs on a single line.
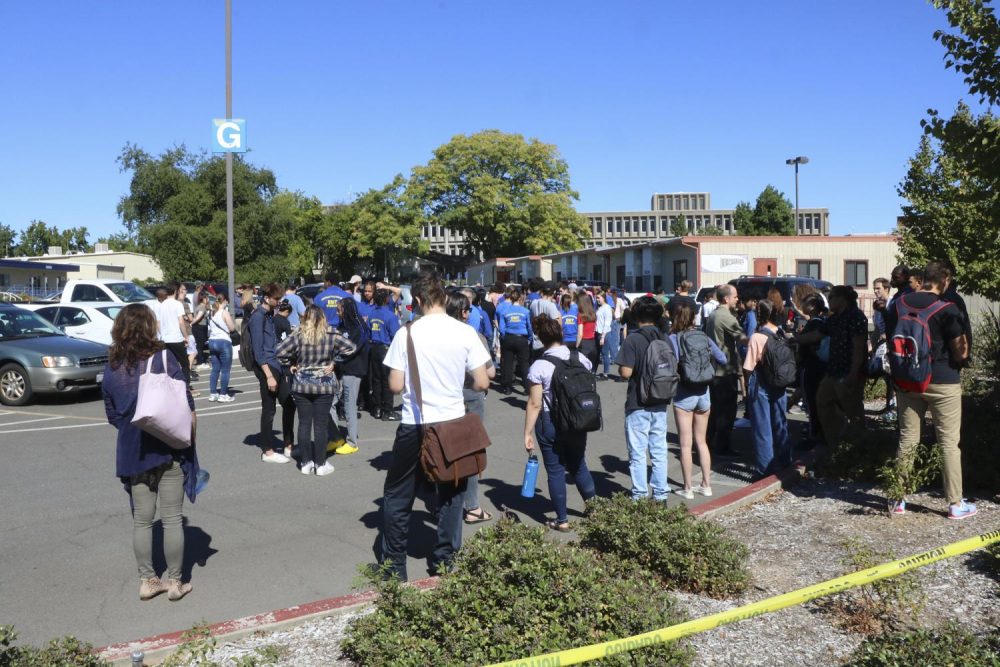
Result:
{"points": [[311, 360]]}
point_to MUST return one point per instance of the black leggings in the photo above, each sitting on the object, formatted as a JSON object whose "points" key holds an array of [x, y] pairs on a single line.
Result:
{"points": [[516, 351], [378, 374]]}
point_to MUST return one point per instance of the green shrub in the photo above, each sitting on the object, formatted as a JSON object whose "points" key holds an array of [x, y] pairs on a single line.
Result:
{"points": [[885, 604], [513, 594], [63, 652], [875, 390], [682, 551], [860, 460], [924, 470], [945, 646], [195, 648]]}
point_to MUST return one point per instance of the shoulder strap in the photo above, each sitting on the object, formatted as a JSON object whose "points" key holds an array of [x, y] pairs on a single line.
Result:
{"points": [[411, 354]]}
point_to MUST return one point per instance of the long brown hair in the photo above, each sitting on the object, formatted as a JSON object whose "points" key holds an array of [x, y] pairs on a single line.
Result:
{"points": [[683, 318], [133, 336], [586, 307]]}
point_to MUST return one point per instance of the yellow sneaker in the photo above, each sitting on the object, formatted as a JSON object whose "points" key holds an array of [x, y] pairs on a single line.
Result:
{"points": [[346, 448], [333, 445]]}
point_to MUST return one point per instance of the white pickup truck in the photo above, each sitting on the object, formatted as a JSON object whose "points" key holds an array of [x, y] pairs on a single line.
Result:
{"points": [[107, 290]]}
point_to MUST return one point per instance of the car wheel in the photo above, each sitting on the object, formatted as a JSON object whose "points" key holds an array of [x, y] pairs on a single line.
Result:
{"points": [[15, 387]]}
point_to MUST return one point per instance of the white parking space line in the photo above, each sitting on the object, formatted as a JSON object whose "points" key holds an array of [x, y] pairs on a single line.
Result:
{"points": [[226, 406], [29, 421], [228, 412], [50, 428]]}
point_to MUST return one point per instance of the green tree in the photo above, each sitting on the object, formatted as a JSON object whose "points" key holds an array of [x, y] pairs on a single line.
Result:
{"points": [[8, 240], [176, 210], [710, 230], [120, 242], [74, 239], [382, 226], [743, 219], [952, 186], [508, 196], [37, 238], [678, 226], [772, 214]]}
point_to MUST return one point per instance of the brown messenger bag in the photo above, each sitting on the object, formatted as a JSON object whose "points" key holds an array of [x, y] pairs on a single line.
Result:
{"points": [[449, 451]]}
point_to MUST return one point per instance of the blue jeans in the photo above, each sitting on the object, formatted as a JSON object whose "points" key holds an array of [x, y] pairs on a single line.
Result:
{"points": [[476, 406], [647, 429], [562, 452], [398, 494], [772, 450], [614, 341], [221, 352]]}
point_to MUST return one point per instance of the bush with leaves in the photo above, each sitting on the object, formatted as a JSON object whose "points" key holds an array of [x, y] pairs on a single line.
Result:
{"points": [[885, 604], [949, 645], [859, 460], [682, 551], [903, 478], [513, 594], [63, 652]]}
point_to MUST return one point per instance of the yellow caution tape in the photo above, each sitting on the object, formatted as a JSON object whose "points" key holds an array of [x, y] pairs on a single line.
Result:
{"points": [[575, 656]]}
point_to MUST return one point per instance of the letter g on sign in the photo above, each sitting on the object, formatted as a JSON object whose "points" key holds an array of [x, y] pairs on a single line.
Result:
{"points": [[229, 135]]}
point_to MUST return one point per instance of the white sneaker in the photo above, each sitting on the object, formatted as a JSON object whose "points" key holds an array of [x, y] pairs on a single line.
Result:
{"points": [[212, 398], [225, 398], [274, 457], [685, 493], [203, 367], [703, 490], [324, 469], [308, 468]]}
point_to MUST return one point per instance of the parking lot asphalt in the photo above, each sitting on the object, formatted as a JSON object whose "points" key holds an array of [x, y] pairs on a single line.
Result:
{"points": [[260, 537]]}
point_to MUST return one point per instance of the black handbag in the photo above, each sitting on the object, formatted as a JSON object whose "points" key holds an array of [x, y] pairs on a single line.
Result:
{"points": [[234, 336]]}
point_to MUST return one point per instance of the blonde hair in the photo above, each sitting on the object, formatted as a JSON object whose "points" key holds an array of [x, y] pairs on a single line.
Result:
{"points": [[313, 326]]}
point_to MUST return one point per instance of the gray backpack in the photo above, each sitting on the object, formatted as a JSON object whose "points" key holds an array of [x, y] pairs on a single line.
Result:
{"points": [[695, 363], [657, 371]]}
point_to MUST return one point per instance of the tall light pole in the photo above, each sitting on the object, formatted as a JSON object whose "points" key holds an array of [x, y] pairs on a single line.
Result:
{"points": [[230, 260], [802, 159]]}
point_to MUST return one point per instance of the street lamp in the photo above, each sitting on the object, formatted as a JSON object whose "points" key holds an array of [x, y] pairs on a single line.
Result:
{"points": [[802, 159]]}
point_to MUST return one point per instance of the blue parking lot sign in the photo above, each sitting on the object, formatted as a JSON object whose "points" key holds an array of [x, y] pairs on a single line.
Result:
{"points": [[229, 135]]}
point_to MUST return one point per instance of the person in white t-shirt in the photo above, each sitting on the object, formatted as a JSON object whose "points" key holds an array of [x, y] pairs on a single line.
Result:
{"points": [[446, 350], [173, 327]]}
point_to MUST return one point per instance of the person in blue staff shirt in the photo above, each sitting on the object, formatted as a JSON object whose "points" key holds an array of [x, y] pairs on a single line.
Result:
{"points": [[478, 319], [329, 299], [384, 323], [569, 316], [298, 306], [515, 342]]}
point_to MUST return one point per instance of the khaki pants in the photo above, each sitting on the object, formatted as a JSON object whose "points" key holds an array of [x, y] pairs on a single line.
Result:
{"points": [[837, 402], [945, 403]]}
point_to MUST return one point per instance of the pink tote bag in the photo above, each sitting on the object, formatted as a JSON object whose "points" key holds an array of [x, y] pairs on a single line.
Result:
{"points": [[162, 407]]}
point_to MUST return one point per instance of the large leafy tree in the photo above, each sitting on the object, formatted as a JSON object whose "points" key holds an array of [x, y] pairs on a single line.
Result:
{"points": [[381, 226], [507, 195], [8, 240], [952, 186], [743, 219], [772, 214], [176, 210], [38, 237], [678, 227]]}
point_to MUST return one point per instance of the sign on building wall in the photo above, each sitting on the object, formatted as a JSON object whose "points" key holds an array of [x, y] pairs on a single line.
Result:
{"points": [[725, 264]]}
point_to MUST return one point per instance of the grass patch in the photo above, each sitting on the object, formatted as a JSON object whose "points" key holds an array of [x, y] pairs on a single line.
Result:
{"points": [[949, 645]]}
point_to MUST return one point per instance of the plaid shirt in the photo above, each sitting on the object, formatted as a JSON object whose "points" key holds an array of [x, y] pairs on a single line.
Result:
{"points": [[310, 360]]}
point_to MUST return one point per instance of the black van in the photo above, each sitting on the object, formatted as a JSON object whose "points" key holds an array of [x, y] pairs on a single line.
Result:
{"points": [[759, 286]]}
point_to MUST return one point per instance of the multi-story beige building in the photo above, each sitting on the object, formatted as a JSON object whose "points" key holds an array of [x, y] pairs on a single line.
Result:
{"points": [[615, 229]]}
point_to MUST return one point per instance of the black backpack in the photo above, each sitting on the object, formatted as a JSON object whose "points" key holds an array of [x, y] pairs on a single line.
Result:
{"points": [[657, 371], [777, 364], [576, 405], [246, 348], [695, 363]]}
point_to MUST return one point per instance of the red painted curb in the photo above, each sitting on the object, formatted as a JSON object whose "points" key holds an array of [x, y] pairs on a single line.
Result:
{"points": [[156, 642], [785, 477]]}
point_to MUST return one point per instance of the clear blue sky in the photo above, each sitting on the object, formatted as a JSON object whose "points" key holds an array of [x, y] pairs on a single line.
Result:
{"points": [[640, 97]]}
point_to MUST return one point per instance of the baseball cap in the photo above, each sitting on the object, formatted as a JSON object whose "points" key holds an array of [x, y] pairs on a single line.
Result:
{"points": [[355, 279]]}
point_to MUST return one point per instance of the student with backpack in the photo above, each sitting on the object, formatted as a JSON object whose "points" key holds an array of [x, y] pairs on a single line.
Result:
{"points": [[927, 349], [695, 352], [262, 346], [812, 364], [563, 406], [770, 370], [647, 361]]}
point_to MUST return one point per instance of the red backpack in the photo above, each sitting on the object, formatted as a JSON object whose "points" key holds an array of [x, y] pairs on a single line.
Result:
{"points": [[910, 358]]}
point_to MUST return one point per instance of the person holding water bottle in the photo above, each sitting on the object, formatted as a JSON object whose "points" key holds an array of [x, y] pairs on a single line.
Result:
{"points": [[561, 451]]}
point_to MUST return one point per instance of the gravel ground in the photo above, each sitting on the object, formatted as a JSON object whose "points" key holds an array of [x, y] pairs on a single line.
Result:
{"points": [[796, 539]]}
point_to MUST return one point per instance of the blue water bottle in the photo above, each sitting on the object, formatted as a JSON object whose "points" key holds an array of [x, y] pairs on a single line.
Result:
{"points": [[201, 481], [530, 475]]}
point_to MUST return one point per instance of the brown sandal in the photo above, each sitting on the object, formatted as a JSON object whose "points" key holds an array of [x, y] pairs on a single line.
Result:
{"points": [[482, 516], [552, 524]]}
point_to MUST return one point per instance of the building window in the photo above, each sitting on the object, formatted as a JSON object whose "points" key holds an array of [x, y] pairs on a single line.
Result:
{"points": [[670, 203], [597, 226], [808, 267], [856, 272], [618, 225], [680, 271]]}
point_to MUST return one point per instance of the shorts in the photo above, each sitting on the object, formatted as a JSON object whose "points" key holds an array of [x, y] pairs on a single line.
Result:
{"points": [[192, 347], [693, 400]]}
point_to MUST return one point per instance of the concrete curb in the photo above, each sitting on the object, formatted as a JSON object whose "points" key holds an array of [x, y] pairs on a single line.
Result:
{"points": [[158, 647]]}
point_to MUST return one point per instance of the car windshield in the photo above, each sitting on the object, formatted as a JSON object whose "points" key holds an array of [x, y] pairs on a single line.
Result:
{"points": [[130, 292], [111, 311], [20, 323]]}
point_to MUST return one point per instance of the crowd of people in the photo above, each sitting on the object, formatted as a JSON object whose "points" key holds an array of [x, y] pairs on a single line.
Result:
{"points": [[353, 349]]}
